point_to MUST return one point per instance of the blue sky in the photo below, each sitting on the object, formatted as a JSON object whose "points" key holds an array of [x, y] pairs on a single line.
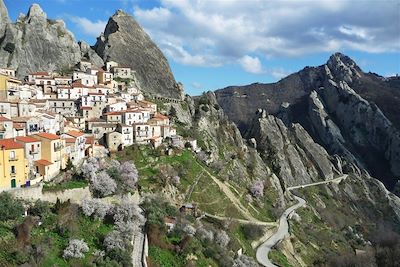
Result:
{"points": [[213, 44]]}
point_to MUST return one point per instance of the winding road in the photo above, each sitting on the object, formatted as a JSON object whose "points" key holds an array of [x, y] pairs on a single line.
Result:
{"points": [[283, 228]]}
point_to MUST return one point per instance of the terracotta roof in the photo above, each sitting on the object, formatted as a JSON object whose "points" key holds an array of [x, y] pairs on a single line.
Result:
{"points": [[113, 113], [75, 133], [10, 144], [27, 139], [2, 118], [159, 116], [86, 108], [78, 84], [48, 136], [70, 140], [43, 162], [95, 94], [89, 140], [40, 73]]}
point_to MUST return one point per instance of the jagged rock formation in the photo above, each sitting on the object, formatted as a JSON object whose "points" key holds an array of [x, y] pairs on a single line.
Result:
{"points": [[89, 54], [335, 103], [293, 154], [125, 42], [227, 151], [37, 43]]}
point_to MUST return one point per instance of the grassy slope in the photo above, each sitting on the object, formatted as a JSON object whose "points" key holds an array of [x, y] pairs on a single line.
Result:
{"points": [[206, 193]]}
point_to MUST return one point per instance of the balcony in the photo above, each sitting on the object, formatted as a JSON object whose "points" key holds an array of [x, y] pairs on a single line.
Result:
{"points": [[34, 152], [13, 174], [12, 158]]}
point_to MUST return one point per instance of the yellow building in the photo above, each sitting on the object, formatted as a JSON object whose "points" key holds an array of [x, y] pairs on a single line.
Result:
{"points": [[13, 166], [6, 83], [53, 157]]}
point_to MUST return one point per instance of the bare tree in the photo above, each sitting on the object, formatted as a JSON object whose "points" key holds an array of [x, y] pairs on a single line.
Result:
{"points": [[75, 249]]}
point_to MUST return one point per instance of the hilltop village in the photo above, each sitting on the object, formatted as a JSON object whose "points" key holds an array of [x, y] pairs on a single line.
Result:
{"points": [[49, 120]]}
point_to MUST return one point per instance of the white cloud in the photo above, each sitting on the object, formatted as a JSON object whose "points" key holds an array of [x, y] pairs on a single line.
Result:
{"points": [[199, 33], [88, 27], [279, 73], [196, 85], [251, 64]]}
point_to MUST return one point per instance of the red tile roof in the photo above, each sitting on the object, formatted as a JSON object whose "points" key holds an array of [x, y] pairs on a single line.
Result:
{"points": [[43, 162], [75, 133], [70, 140], [27, 139], [10, 144], [48, 136], [43, 73], [2, 118], [160, 116], [113, 113]]}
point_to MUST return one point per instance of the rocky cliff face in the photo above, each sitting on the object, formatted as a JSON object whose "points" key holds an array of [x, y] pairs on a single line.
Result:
{"points": [[291, 151], [335, 103], [36, 43], [125, 42]]}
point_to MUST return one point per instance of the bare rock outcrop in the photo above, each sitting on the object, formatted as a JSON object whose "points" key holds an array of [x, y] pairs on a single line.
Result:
{"points": [[36, 43], [125, 42], [291, 151]]}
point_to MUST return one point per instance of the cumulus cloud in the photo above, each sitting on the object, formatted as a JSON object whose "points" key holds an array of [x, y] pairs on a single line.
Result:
{"points": [[251, 64], [202, 33], [88, 27]]}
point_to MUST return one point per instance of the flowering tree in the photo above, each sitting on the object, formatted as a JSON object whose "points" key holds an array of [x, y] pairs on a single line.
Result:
{"points": [[75, 249], [90, 167], [244, 261], [95, 207], [257, 189], [129, 174], [204, 234], [120, 237], [128, 211], [222, 238], [103, 184], [175, 180]]}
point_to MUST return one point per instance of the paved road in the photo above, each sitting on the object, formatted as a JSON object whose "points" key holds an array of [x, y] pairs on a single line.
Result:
{"points": [[283, 228]]}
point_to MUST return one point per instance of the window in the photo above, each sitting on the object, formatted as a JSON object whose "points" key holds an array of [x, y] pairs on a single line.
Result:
{"points": [[12, 154], [13, 171]]}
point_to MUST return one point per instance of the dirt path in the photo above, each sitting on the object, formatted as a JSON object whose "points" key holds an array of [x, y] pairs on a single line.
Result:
{"points": [[233, 198]]}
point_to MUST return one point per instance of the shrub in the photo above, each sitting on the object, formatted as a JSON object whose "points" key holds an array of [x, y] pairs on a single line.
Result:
{"points": [[75, 249], [10, 208], [156, 208], [251, 231], [39, 208], [102, 184], [95, 207], [257, 189]]}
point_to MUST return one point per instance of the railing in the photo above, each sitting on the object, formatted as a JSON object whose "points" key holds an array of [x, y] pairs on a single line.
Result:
{"points": [[12, 158], [13, 173], [32, 152]]}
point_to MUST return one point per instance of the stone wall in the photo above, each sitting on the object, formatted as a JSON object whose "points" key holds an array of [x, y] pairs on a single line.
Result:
{"points": [[34, 193]]}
